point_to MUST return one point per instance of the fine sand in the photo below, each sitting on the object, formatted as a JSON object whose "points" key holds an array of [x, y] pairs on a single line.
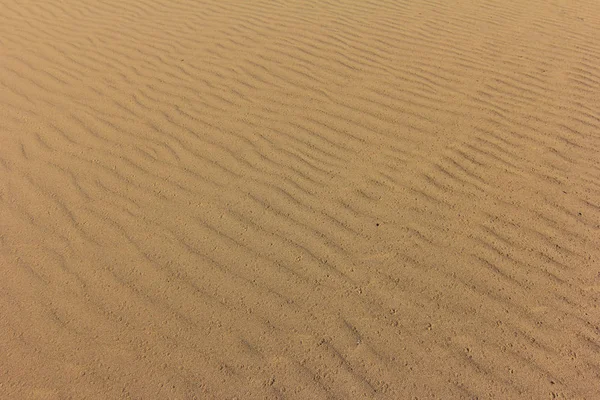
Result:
{"points": [[218, 199]]}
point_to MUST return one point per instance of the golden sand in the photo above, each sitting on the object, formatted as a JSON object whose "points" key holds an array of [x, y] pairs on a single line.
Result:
{"points": [[299, 199]]}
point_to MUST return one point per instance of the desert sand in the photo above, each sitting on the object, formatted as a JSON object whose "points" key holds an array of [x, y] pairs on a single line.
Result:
{"points": [[219, 199]]}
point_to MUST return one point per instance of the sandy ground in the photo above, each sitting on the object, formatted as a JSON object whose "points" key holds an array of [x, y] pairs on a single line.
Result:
{"points": [[299, 199]]}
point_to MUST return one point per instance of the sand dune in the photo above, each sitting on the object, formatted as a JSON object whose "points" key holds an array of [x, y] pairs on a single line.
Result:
{"points": [[299, 199]]}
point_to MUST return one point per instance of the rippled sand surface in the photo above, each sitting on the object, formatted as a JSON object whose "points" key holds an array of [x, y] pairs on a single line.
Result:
{"points": [[347, 199]]}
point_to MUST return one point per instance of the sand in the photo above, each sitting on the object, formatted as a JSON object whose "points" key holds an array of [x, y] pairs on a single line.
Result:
{"points": [[273, 199]]}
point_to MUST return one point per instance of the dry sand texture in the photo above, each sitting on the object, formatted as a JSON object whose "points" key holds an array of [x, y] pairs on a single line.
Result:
{"points": [[299, 199]]}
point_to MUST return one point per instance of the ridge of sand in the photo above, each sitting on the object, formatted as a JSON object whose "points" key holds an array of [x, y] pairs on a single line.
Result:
{"points": [[313, 199]]}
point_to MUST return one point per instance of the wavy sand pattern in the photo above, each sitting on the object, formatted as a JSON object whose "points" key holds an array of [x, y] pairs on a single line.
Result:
{"points": [[299, 199]]}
